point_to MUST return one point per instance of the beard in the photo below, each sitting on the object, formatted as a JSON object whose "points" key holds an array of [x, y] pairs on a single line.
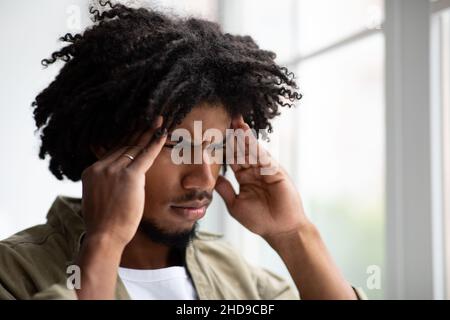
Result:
{"points": [[175, 240]]}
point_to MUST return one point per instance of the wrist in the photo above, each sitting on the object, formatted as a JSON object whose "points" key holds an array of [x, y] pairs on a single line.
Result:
{"points": [[298, 238], [104, 241], [99, 254], [99, 260]]}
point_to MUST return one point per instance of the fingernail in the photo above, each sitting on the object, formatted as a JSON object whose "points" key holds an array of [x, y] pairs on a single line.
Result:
{"points": [[164, 133], [160, 133]]}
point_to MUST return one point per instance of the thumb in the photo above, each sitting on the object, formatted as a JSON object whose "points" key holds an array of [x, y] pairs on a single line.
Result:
{"points": [[226, 191]]}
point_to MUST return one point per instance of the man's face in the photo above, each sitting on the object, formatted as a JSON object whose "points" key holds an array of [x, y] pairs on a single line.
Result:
{"points": [[171, 189]]}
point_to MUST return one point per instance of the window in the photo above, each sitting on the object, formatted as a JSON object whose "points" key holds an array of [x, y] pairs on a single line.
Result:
{"points": [[207, 9], [333, 141], [341, 132], [341, 154], [441, 103], [368, 151], [446, 129]]}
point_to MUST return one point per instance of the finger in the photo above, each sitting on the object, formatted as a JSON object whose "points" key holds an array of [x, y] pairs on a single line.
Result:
{"points": [[246, 176], [235, 167], [237, 121], [116, 152], [248, 146], [239, 157], [243, 152], [147, 156], [133, 152], [226, 191], [271, 171], [128, 154], [240, 144], [258, 162]]}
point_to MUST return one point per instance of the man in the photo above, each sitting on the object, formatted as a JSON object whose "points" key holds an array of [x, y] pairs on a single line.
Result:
{"points": [[129, 82]]}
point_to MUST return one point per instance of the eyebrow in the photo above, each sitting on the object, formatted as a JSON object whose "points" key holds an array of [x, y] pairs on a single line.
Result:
{"points": [[169, 135], [169, 139]]}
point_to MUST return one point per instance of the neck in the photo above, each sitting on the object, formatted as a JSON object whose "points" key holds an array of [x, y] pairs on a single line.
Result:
{"points": [[142, 253]]}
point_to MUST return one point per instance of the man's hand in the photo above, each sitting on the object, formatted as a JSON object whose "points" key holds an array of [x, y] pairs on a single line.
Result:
{"points": [[269, 205], [112, 207], [114, 188]]}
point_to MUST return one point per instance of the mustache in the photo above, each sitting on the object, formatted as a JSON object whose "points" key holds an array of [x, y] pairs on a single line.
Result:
{"points": [[199, 195]]}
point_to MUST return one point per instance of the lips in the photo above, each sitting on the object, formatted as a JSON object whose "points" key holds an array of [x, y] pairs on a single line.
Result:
{"points": [[191, 211]]}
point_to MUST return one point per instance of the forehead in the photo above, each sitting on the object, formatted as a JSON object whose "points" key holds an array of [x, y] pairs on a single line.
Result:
{"points": [[209, 116]]}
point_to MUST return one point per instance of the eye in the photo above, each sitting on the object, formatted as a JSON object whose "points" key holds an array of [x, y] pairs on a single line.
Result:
{"points": [[217, 146], [172, 143], [170, 146], [178, 145]]}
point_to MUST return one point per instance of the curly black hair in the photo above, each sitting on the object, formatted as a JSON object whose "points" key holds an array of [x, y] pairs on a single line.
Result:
{"points": [[134, 64]]}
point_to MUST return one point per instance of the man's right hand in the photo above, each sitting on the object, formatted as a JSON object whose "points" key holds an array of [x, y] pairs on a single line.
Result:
{"points": [[114, 188], [112, 207]]}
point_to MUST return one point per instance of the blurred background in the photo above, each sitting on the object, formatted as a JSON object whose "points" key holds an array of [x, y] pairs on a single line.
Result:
{"points": [[368, 146]]}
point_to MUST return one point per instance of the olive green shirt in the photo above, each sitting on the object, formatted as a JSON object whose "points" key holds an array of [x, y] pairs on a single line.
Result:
{"points": [[34, 263]]}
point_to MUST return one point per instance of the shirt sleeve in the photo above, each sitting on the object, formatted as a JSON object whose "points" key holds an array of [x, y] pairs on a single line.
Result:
{"points": [[56, 292], [5, 294], [273, 287]]}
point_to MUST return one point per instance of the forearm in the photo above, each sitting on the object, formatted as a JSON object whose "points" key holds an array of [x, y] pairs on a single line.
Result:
{"points": [[99, 261], [311, 266]]}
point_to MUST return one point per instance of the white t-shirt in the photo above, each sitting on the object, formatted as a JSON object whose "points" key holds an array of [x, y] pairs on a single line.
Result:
{"points": [[171, 283]]}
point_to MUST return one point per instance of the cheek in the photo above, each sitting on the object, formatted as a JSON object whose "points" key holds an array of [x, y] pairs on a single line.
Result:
{"points": [[162, 179]]}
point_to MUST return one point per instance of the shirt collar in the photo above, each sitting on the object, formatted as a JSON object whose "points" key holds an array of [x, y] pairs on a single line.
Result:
{"points": [[65, 215]]}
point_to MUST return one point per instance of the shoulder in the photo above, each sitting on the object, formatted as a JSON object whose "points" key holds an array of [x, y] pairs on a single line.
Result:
{"points": [[31, 259], [32, 236], [32, 242]]}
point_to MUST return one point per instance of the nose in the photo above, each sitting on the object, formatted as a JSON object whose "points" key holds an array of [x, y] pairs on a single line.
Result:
{"points": [[199, 176]]}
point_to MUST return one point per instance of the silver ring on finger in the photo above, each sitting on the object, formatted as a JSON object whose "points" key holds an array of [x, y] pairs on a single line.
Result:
{"points": [[129, 156]]}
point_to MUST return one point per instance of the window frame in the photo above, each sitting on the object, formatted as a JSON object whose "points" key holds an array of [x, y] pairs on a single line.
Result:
{"points": [[414, 215], [414, 244]]}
